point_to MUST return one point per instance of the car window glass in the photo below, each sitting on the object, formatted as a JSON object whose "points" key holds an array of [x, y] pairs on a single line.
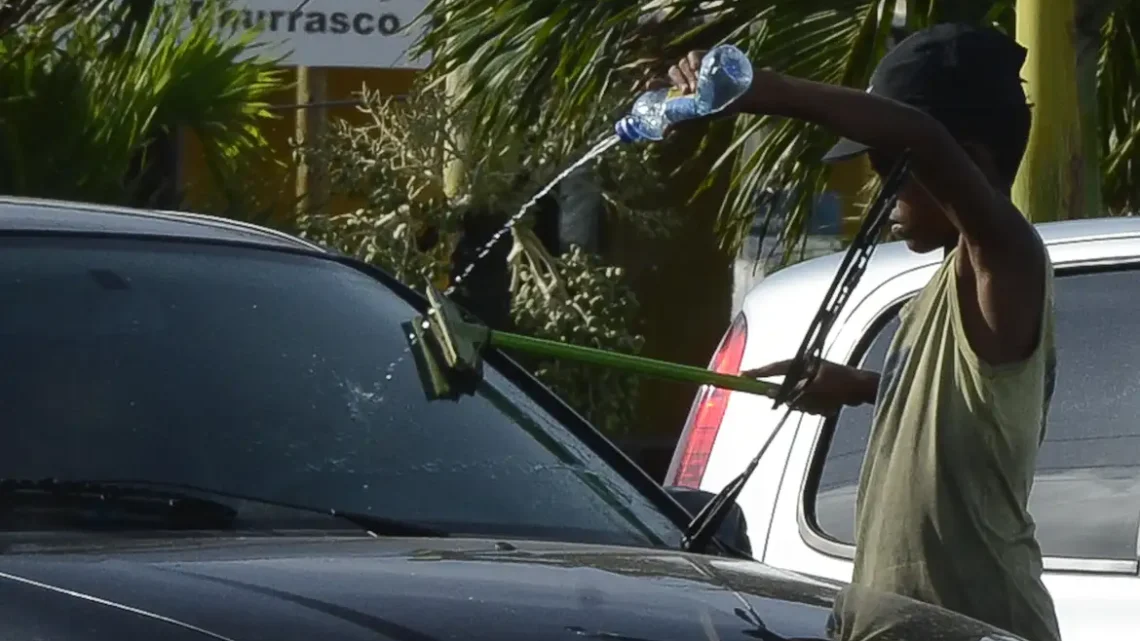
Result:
{"points": [[281, 376], [839, 476], [1086, 496]]}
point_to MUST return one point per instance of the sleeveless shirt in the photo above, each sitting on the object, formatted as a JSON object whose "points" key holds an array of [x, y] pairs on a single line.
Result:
{"points": [[941, 511]]}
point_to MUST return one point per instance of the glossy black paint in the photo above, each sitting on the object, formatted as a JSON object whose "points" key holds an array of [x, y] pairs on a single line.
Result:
{"points": [[25, 216], [116, 589], [733, 530]]}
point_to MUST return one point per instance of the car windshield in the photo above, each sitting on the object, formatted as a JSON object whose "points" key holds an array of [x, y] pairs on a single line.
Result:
{"points": [[282, 376]]}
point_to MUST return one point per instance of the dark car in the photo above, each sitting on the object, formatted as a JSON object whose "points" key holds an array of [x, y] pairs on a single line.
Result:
{"points": [[215, 431]]}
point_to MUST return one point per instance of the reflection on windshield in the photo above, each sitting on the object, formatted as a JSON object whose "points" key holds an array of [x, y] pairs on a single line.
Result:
{"points": [[572, 453], [279, 376]]}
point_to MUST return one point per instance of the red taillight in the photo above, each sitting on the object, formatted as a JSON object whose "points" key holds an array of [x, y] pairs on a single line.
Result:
{"points": [[699, 435]]}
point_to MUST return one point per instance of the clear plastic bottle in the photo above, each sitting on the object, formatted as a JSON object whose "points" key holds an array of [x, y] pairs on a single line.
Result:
{"points": [[724, 76]]}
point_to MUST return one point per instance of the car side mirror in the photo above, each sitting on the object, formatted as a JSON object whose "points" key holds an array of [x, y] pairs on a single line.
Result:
{"points": [[733, 530]]}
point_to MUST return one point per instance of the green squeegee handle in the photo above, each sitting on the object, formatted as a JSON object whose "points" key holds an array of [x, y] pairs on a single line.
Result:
{"points": [[630, 363]]}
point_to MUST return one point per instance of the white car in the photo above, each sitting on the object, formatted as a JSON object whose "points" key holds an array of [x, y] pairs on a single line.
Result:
{"points": [[1086, 500]]}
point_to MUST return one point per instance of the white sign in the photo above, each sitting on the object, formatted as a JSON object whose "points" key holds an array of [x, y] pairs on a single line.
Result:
{"points": [[328, 33]]}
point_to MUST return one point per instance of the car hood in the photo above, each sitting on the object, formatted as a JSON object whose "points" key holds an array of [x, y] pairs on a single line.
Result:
{"points": [[283, 589]]}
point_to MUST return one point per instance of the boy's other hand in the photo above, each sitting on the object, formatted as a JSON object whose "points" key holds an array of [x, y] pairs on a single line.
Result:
{"points": [[833, 387], [683, 75]]}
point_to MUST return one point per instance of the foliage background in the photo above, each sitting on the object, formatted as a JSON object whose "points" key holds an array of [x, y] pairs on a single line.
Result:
{"points": [[87, 89], [541, 80], [563, 55]]}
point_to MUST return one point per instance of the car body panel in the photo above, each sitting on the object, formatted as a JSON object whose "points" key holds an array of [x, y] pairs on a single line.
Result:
{"points": [[30, 215], [406, 590], [1093, 597]]}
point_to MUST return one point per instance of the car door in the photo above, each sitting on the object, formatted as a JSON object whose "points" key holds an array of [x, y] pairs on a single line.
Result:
{"points": [[1086, 496]]}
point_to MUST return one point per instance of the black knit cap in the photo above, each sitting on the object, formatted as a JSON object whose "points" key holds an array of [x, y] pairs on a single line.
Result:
{"points": [[951, 71]]}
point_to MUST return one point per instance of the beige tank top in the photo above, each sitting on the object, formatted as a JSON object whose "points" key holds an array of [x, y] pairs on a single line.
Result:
{"points": [[941, 511]]}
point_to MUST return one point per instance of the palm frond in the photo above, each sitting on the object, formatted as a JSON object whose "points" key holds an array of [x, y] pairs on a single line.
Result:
{"points": [[1119, 103], [559, 66], [839, 45], [926, 12], [215, 86], [561, 63], [530, 60], [84, 94]]}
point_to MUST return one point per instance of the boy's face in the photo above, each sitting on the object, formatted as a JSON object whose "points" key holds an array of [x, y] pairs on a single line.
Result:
{"points": [[918, 219]]}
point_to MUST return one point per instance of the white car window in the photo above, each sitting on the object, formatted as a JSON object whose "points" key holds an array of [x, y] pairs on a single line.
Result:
{"points": [[1086, 497]]}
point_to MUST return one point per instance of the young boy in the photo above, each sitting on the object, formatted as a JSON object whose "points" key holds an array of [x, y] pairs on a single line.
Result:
{"points": [[963, 397]]}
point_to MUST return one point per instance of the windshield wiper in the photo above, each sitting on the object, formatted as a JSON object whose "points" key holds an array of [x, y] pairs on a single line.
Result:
{"points": [[804, 366], [114, 503], [178, 504]]}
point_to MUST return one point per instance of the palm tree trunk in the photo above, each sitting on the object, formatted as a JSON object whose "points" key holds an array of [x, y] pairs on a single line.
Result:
{"points": [[1091, 15], [1051, 183]]}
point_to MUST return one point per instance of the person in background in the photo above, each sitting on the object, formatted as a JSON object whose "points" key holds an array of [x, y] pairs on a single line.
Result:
{"points": [[962, 401]]}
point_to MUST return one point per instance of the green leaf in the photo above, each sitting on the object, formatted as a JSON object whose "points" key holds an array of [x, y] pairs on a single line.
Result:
{"points": [[85, 91]]}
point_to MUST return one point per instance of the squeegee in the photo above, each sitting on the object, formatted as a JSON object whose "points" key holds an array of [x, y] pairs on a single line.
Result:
{"points": [[448, 349]]}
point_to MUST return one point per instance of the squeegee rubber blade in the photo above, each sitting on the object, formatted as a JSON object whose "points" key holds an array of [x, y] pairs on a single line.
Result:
{"points": [[428, 361]]}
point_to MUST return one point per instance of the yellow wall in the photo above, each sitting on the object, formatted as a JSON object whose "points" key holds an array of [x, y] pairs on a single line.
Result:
{"points": [[275, 185]]}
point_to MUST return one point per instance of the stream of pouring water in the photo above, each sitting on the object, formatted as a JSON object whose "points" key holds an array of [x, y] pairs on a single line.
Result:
{"points": [[593, 153], [596, 151]]}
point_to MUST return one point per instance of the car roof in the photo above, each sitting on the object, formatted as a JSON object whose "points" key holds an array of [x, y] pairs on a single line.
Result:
{"points": [[798, 289], [33, 215], [894, 258]]}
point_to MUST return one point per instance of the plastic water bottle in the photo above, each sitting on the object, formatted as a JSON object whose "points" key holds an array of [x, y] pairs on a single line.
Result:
{"points": [[725, 75]]}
